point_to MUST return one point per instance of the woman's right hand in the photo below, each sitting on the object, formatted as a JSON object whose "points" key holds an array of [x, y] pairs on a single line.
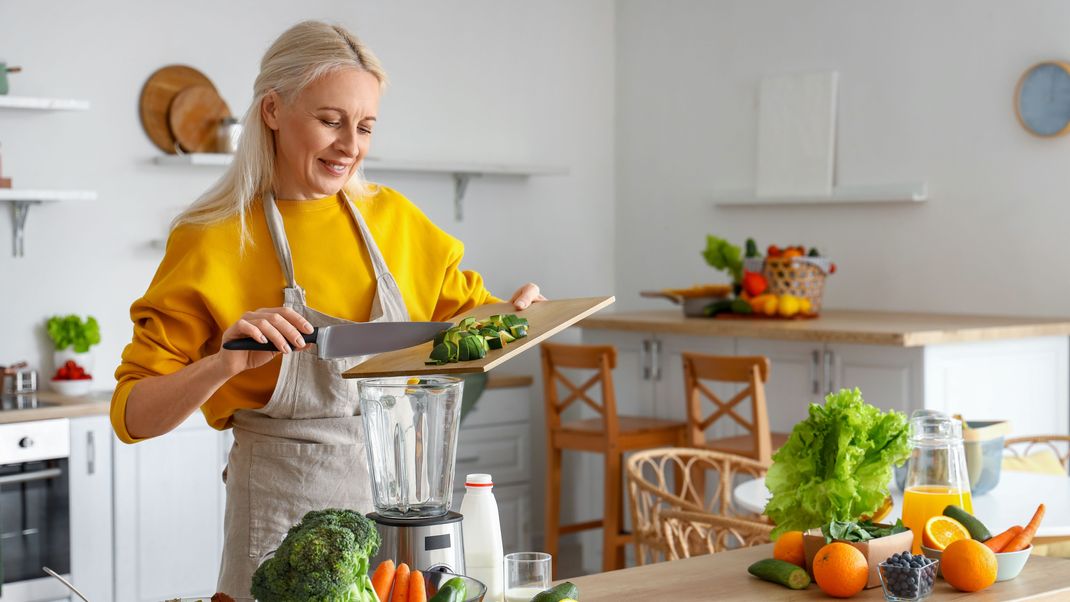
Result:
{"points": [[281, 326]]}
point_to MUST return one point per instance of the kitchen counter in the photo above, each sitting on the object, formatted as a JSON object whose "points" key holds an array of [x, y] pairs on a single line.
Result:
{"points": [[724, 576], [841, 326], [93, 404]]}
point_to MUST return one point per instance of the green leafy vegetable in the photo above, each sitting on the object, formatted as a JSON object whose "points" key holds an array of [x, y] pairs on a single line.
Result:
{"points": [[836, 464], [863, 531], [724, 256], [66, 331]]}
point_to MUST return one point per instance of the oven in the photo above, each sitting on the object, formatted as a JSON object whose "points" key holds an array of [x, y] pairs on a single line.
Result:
{"points": [[34, 509]]}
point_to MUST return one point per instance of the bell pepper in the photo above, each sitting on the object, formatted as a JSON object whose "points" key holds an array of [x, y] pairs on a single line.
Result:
{"points": [[754, 283]]}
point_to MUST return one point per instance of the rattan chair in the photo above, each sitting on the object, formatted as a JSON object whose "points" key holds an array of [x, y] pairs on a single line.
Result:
{"points": [[690, 533], [664, 479], [1021, 447]]}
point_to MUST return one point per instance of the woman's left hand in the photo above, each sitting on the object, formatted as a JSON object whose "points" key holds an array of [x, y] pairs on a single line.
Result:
{"points": [[526, 295]]}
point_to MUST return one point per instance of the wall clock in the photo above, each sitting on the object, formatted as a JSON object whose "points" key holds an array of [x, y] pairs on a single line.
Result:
{"points": [[1042, 99]]}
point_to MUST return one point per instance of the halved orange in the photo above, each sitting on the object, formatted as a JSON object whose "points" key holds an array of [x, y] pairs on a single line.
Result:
{"points": [[941, 531]]}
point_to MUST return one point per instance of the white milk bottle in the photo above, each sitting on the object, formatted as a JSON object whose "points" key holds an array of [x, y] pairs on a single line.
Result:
{"points": [[483, 559]]}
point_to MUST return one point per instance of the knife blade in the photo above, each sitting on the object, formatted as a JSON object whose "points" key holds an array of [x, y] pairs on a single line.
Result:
{"points": [[362, 338]]}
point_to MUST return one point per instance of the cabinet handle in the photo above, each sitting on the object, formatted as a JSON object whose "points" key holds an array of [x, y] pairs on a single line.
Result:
{"points": [[90, 453], [815, 359], [829, 384], [655, 359], [643, 358]]}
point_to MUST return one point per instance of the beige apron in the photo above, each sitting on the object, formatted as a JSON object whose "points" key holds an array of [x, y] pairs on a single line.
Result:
{"points": [[304, 450]]}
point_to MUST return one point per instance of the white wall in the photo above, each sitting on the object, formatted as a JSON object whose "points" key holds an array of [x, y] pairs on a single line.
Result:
{"points": [[926, 93], [472, 81]]}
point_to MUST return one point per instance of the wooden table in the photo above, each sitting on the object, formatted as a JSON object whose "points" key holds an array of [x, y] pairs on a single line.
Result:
{"points": [[724, 577], [1012, 502]]}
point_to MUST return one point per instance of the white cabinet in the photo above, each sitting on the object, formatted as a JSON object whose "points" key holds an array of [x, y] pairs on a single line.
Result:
{"points": [[495, 438], [169, 500], [91, 506]]}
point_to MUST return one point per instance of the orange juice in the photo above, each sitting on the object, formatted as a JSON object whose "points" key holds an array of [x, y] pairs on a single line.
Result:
{"points": [[926, 501]]}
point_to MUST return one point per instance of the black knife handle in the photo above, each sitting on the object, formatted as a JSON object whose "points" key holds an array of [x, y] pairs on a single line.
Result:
{"points": [[248, 344]]}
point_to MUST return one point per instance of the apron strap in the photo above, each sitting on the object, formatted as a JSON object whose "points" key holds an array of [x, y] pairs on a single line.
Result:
{"points": [[278, 238], [378, 263]]}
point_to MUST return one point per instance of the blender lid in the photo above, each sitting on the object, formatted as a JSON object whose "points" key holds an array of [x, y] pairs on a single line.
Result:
{"points": [[449, 517]]}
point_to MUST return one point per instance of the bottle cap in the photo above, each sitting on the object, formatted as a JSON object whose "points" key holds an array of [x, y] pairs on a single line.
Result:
{"points": [[478, 480]]}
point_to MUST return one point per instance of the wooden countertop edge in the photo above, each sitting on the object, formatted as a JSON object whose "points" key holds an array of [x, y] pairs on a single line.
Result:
{"points": [[95, 403], [830, 332]]}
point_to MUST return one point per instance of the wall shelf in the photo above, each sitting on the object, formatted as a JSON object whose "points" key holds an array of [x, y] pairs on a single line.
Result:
{"points": [[461, 172], [43, 104], [20, 207], [886, 193]]}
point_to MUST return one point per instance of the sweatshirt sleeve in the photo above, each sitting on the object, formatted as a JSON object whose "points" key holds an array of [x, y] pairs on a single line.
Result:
{"points": [[171, 327], [461, 290]]}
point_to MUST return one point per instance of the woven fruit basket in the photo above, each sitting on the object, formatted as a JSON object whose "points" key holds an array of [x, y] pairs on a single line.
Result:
{"points": [[798, 276]]}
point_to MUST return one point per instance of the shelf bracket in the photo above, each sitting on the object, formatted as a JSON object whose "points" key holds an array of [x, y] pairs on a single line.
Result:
{"points": [[20, 209], [460, 186]]}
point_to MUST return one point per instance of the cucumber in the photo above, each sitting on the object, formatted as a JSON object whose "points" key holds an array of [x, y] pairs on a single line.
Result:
{"points": [[453, 590], [780, 572], [977, 529], [564, 591]]}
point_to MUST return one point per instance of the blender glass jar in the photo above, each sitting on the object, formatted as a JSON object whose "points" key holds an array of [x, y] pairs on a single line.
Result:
{"points": [[411, 426]]}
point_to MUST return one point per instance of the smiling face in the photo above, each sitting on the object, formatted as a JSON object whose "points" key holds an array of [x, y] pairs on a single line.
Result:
{"points": [[324, 134]]}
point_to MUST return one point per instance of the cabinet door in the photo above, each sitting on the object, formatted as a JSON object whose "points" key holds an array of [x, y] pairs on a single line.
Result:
{"points": [[795, 378], [91, 506], [169, 500], [888, 377]]}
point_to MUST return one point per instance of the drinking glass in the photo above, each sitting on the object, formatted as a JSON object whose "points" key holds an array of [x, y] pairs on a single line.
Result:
{"points": [[527, 574]]}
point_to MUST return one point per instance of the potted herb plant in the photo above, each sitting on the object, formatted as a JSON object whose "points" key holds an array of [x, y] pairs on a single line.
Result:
{"points": [[73, 337]]}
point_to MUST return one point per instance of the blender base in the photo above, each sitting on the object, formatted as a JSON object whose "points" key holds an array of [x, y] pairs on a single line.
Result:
{"points": [[425, 544]]}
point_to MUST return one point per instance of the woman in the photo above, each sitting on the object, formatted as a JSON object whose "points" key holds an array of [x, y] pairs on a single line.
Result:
{"points": [[289, 227]]}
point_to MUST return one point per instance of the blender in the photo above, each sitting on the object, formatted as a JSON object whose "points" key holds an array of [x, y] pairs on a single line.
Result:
{"points": [[411, 429]]}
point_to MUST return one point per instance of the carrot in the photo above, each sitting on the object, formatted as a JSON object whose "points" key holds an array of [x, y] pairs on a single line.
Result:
{"points": [[401, 584], [997, 543], [383, 579], [417, 591], [1023, 539]]}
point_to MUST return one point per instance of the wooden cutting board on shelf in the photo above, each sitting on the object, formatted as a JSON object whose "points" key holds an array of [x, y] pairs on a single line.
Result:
{"points": [[194, 118], [156, 96], [545, 319]]}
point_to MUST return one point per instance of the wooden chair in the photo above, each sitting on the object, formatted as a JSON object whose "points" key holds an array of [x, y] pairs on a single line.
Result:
{"points": [[608, 434], [688, 533], [1021, 447], [753, 371], [665, 479]]}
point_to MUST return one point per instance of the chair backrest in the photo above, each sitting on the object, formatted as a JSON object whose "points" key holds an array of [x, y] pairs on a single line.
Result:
{"points": [[750, 370], [689, 533], [664, 478], [602, 359], [1021, 447]]}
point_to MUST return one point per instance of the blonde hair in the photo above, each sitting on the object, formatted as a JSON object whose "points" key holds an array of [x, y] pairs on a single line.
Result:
{"points": [[302, 54]]}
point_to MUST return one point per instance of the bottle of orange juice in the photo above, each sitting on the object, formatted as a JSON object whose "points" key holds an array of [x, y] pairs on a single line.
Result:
{"points": [[937, 474]]}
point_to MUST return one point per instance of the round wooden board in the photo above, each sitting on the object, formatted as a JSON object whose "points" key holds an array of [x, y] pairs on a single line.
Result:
{"points": [[156, 96], [194, 118]]}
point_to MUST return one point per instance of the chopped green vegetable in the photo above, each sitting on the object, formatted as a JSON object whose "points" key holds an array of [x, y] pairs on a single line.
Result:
{"points": [[471, 339], [836, 465]]}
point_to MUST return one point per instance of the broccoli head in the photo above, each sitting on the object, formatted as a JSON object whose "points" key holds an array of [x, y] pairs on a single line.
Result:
{"points": [[324, 558]]}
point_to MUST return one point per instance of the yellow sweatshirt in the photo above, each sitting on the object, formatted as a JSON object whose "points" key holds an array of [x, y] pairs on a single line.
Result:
{"points": [[204, 284]]}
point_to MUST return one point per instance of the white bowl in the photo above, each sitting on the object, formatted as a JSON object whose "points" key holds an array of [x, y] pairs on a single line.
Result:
{"points": [[71, 388], [1008, 564]]}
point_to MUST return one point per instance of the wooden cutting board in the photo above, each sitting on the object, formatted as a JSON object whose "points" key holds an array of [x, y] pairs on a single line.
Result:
{"points": [[545, 319], [194, 118], [156, 96]]}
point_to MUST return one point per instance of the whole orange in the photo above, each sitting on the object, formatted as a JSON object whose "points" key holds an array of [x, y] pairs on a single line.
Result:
{"points": [[840, 570], [968, 565], [789, 548]]}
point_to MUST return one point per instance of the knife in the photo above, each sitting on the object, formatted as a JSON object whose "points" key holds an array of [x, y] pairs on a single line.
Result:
{"points": [[362, 338]]}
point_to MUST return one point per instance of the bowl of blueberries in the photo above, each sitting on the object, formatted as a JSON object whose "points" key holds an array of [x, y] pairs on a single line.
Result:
{"points": [[906, 576]]}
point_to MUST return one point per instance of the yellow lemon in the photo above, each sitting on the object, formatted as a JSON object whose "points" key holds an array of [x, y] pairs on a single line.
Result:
{"points": [[788, 305], [804, 305]]}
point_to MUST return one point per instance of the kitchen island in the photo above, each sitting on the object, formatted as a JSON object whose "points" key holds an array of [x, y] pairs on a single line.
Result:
{"points": [[983, 367], [724, 576]]}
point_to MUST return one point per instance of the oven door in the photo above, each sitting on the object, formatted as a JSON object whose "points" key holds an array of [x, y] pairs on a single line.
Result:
{"points": [[34, 511]]}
